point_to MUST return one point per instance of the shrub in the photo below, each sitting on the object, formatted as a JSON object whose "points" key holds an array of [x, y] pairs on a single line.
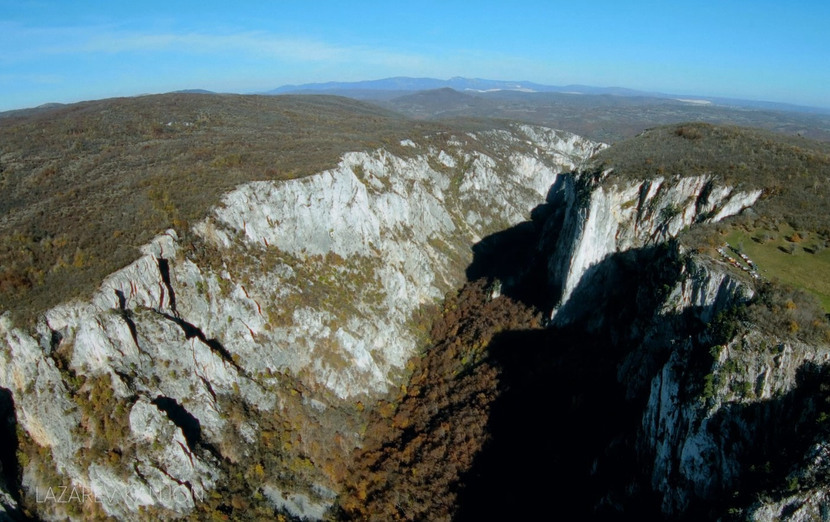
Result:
{"points": [[690, 132], [416, 451]]}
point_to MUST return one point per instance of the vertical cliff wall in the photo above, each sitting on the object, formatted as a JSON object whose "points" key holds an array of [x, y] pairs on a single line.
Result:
{"points": [[711, 403], [233, 367], [236, 362], [603, 215]]}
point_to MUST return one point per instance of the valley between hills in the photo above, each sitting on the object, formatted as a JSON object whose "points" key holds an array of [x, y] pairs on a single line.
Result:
{"points": [[308, 307]]}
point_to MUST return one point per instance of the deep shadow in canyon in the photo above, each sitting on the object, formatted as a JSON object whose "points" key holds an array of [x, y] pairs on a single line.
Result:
{"points": [[562, 433], [9, 445], [512, 256], [564, 427]]}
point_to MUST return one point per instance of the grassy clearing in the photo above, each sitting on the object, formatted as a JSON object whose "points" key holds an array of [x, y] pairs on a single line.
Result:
{"points": [[804, 263], [786, 233]]}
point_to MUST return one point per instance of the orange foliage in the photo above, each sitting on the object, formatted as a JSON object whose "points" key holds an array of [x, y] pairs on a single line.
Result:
{"points": [[410, 465]]}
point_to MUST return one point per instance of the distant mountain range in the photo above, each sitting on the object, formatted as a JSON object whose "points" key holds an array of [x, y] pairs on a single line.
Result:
{"points": [[388, 88], [479, 85]]}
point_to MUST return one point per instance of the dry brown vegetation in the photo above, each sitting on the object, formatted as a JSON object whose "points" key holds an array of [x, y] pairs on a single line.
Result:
{"points": [[418, 447], [792, 172], [607, 118], [779, 310], [84, 185], [752, 157]]}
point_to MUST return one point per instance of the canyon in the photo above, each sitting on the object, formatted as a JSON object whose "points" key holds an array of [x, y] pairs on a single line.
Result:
{"points": [[235, 365]]}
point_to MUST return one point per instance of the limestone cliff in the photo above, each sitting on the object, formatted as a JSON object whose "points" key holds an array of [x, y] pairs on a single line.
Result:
{"points": [[601, 216], [232, 368], [711, 431], [265, 330]]}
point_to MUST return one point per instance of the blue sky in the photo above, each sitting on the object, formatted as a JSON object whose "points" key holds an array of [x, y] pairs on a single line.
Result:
{"points": [[72, 50]]}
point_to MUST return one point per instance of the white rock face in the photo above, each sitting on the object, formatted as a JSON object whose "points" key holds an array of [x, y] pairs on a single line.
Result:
{"points": [[695, 427], [807, 506], [706, 288], [689, 440], [604, 217], [405, 219], [694, 439], [297, 504], [311, 285]]}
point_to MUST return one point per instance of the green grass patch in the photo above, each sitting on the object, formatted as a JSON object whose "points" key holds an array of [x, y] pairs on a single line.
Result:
{"points": [[790, 262]]}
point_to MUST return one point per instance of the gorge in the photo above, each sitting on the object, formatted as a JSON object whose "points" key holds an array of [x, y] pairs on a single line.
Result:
{"points": [[281, 354]]}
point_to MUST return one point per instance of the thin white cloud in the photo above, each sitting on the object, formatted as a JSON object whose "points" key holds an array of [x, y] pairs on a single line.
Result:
{"points": [[26, 44], [36, 79]]}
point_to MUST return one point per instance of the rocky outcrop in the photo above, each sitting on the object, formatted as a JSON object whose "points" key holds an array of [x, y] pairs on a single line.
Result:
{"points": [[602, 215], [723, 418], [746, 408], [806, 506], [393, 231], [292, 302], [727, 415], [231, 365]]}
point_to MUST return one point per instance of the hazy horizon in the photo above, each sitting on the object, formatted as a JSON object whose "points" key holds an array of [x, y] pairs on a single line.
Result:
{"points": [[54, 52]]}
